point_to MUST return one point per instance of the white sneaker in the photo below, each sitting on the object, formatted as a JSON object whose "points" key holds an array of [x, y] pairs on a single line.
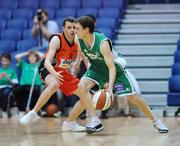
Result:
{"points": [[72, 126], [21, 114], [160, 126], [29, 118], [95, 125]]}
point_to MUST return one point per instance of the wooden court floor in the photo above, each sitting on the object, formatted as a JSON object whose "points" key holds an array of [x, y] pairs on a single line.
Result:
{"points": [[118, 132]]}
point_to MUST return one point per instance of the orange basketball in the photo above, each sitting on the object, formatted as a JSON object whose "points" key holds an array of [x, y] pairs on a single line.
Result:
{"points": [[101, 100], [51, 109]]}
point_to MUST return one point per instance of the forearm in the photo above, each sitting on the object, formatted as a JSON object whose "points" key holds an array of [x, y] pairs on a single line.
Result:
{"points": [[48, 66], [45, 33], [34, 30], [21, 55], [112, 76]]}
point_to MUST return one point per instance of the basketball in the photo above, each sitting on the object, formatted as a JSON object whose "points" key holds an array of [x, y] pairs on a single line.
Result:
{"points": [[51, 109], [101, 100]]}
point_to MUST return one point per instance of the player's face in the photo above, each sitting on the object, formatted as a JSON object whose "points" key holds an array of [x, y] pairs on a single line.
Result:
{"points": [[5, 62], [69, 29], [80, 31]]}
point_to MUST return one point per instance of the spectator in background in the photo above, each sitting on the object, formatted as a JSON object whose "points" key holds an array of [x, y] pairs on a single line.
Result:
{"points": [[8, 79], [22, 91], [43, 28]]}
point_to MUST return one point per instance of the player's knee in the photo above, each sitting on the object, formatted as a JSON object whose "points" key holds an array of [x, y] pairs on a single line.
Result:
{"points": [[54, 85], [83, 88]]}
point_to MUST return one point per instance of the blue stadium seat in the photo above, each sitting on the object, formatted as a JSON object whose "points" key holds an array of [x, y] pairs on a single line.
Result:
{"points": [[27, 34], [173, 99], [9, 4], [178, 44], [64, 12], [17, 23], [177, 56], [53, 4], [109, 12], [51, 13], [30, 4], [85, 11], [11, 34], [174, 1], [2, 24], [7, 46], [107, 32], [71, 4], [113, 4], [138, 1], [157, 1], [60, 23], [5, 14], [30, 24], [23, 14], [174, 83], [26, 44], [91, 4], [106, 23], [176, 68]]}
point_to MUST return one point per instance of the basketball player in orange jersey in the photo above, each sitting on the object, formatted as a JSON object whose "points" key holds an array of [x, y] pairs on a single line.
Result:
{"points": [[54, 70]]}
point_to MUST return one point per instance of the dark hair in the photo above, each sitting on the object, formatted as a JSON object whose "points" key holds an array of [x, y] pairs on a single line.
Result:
{"points": [[44, 11], [68, 19], [6, 55], [92, 17], [86, 22]]}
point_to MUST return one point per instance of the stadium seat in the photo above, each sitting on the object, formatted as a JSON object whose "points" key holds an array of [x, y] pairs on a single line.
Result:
{"points": [[177, 56], [27, 34], [174, 1], [26, 44], [9, 4], [106, 23], [23, 14], [109, 12], [91, 4], [30, 24], [30, 4], [51, 13], [85, 11], [113, 4], [157, 1], [53, 4], [178, 44], [17, 23], [60, 23], [107, 32], [176, 68], [2, 24], [64, 12], [174, 83], [173, 99], [5, 14], [7, 46], [71, 4], [11, 34]]}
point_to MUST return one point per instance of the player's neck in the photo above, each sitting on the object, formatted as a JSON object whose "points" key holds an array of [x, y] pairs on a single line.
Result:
{"points": [[89, 39], [70, 39]]}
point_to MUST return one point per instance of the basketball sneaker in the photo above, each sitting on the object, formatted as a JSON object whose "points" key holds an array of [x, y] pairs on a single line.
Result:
{"points": [[160, 126], [32, 116], [95, 125], [72, 126]]}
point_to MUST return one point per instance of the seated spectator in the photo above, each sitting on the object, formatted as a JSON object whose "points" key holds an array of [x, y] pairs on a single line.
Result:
{"points": [[8, 79], [43, 28], [28, 72]]}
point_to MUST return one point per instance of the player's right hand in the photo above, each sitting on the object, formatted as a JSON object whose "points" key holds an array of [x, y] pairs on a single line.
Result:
{"points": [[59, 76]]}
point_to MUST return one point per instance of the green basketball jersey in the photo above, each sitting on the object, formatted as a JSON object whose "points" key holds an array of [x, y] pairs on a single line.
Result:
{"points": [[94, 54]]}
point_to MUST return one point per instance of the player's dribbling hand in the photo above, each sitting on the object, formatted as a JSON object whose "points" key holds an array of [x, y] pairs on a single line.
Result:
{"points": [[110, 90]]}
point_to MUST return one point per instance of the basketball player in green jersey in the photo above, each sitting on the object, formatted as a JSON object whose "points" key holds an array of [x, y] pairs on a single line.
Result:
{"points": [[106, 69]]}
